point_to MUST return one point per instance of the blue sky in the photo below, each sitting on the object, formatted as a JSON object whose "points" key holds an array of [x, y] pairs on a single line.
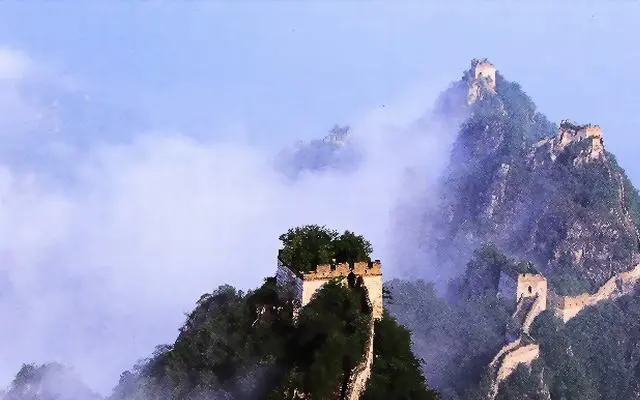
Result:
{"points": [[179, 107], [292, 69]]}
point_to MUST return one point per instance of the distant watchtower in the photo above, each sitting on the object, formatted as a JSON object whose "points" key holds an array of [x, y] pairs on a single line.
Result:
{"points": [[531, 285], [306, 284], [483, 69]]}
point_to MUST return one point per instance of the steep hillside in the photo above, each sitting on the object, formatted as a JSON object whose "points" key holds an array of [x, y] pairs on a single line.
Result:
{"points": [[253, 345], [550, 194]]}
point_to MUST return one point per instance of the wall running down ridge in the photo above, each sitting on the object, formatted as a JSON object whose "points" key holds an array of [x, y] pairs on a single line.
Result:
{"points": [[524, 350]]}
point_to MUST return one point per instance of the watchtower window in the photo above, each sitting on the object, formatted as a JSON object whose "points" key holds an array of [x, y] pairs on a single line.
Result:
{"points": [[529, 289]]}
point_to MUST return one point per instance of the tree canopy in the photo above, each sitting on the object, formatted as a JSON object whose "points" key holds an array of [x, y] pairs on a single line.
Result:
{"points": [[306, 247]]}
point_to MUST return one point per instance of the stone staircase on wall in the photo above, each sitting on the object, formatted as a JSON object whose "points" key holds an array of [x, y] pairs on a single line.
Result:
{"points": [[522, 349]]}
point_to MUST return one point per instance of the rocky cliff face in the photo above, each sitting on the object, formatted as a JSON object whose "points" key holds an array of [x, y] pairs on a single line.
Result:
{"points": [[551, 194]]}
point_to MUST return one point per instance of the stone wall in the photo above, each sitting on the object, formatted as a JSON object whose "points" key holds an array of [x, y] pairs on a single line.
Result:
{"points": [[507, 360], [521, 355], [341, 270], [567, 307], [306, 284], [530, 285], [484, 69], [570, 132], [523, 350], [374, 288]]}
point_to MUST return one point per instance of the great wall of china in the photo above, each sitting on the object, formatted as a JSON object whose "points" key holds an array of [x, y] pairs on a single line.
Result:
{"points": [[530, 290], [533, 297], [369, 276]]}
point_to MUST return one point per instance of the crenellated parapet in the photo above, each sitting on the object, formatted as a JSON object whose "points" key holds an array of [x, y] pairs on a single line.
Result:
{"points": [[342, 270], [306, 284]]}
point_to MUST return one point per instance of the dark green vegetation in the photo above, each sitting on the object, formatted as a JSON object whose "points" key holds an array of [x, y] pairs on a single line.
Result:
{"points": [[460, 334], [246, 346], [306, 247], [396, 371]]}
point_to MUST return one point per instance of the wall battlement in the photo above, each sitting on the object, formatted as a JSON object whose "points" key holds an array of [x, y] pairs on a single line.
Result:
{"points": [[306, 284], [341, 270]]}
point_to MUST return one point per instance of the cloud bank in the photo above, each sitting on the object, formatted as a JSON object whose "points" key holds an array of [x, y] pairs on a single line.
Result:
{"points": [[100, 263]]}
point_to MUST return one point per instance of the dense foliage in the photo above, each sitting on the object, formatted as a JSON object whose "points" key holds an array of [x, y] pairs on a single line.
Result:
{"points": [[457, 340], [396, 372], [246, 346], [306, 247]]}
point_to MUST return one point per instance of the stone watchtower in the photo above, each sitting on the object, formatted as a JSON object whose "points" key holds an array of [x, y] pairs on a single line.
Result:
{"points": [[570, 132], [306, 284], [482, 75], [532, 285], [483, 69]]}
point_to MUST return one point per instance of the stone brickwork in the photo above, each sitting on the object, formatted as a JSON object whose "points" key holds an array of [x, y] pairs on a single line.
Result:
{"points": [[567, 307], [306, 284]]}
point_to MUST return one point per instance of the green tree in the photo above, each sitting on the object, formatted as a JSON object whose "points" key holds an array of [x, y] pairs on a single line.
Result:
{"points": [[351, 248], [307, 246], [396, 372]]}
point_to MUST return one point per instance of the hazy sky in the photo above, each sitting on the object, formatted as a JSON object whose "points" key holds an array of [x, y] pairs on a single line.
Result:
{"points": [[160, 121], [294, 68]]}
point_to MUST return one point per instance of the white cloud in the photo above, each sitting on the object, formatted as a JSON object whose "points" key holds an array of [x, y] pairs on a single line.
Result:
{"points": [[94, 274]]}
